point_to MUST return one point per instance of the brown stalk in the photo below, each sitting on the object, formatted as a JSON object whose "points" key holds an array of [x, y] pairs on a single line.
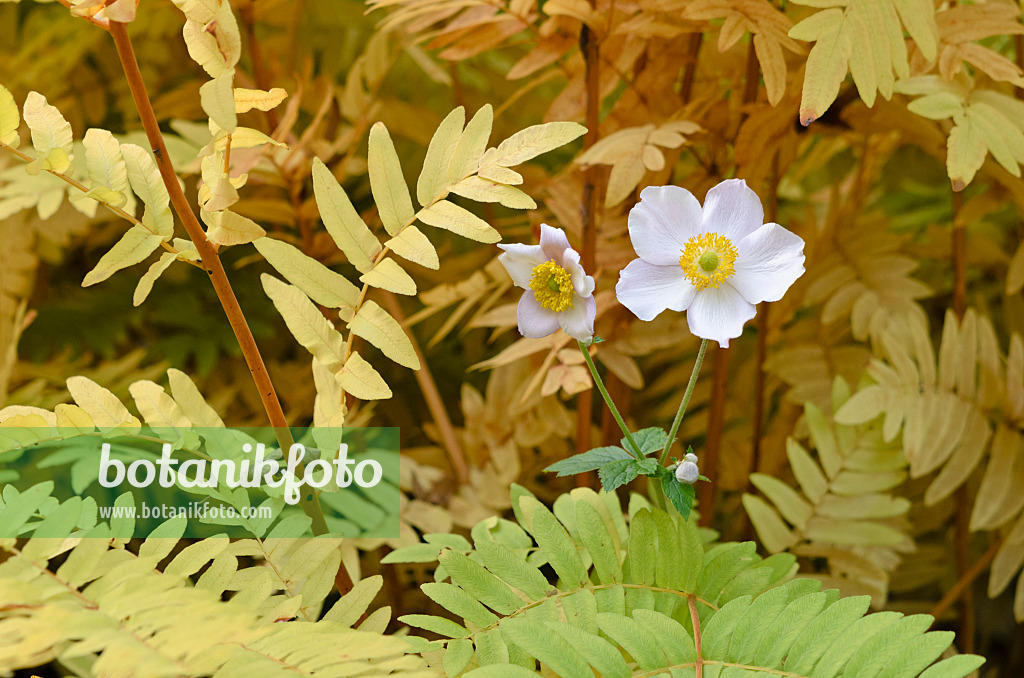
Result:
{"points": [[695, 621], [590, 205], [966, 579], [210, 260], [432, 396], [686, 88], [961, 526]]}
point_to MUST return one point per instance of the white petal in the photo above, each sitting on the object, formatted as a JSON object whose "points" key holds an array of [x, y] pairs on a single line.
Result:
{"points": [[687, 472], [733, 210], [581, 282], [770, 260], [535, 321], [578, 321], [719, 314], [662, 222], [648, 290], [553, 242], [519, 261]]}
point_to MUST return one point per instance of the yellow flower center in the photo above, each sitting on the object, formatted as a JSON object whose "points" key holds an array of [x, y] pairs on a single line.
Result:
{"points": [[552, 286], [707, 260]]}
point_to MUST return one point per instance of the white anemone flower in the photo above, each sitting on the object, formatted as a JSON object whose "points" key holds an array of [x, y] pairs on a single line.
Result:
{"points": [[559, 293], [715, 263]]}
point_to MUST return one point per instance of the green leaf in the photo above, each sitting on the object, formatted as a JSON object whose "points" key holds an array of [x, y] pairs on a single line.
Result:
{"points": [[640, 644], [954, 667], [460, 602], [550, 649], [650, 440], [479, 583], [558, 547], [439, 625], [457, 656], [588, 461], [599, 543], [348, 230], [599, 653], [616, 473], [387, 183], [376, 326], [643, 548], [681, 495], [510, 568]]}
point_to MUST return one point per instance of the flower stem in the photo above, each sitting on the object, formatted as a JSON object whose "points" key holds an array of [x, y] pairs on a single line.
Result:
{"points": [[686, 401], [608, 401]]}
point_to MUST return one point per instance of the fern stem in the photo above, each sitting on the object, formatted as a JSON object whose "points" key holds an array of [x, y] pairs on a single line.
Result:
{"points": [[685, 402], [116, 210], [966, 579], [608, 401], [432, 395], [695, 621], [210, 259]]}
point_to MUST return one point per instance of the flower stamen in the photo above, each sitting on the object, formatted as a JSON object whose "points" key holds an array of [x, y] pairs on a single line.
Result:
{"points": [[552, 286], [707, 260]]}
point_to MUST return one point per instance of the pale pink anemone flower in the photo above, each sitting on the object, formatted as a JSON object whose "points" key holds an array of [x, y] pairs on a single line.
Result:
{"points": [[559, 293], [715, 263]]}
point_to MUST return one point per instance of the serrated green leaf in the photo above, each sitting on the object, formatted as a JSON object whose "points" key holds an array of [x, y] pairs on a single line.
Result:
{"points": [[588, 461], [479, 583], [617, 473], [458, 601], [599, 543], [680, 495], [512, 569]]}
